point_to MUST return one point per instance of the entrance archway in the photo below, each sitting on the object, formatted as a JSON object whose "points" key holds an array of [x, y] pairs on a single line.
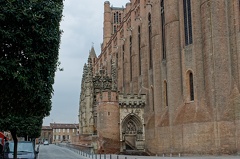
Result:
{"points": [[132, 132]]}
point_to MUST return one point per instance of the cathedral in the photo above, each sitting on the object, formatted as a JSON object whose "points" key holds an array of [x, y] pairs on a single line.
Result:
{"points": [[167, 79]]}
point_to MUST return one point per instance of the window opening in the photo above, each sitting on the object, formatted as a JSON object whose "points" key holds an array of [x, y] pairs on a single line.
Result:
{"points": [[152, 98], [165, 93], [163, 31], [191, 86], [114, 17], [115, 29], [117, 17], [120, 17], [149, 39], [187, 21], [139, 49], [130, 50], [123, 49]]}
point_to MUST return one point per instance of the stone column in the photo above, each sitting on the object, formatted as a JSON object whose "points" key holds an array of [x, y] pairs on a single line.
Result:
{"points": [[173, 57], [217, 64]]}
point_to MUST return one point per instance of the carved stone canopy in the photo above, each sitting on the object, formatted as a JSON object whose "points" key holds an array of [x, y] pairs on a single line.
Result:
{"points": [[132, 100]]}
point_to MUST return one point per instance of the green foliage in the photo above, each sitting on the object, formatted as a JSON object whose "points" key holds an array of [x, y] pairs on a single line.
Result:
{"points": [[29, 45], [29, 126]]}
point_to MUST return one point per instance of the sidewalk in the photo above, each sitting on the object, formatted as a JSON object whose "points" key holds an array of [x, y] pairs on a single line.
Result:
{"points": [[157, 157], [113, 156], [151, 157]]}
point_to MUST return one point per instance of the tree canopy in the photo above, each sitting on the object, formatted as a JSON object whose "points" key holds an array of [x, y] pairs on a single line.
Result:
{"points": [[29, 47]]}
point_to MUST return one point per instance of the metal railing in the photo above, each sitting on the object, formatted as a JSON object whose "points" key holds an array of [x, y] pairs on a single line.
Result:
{"points": [[87, 154]]}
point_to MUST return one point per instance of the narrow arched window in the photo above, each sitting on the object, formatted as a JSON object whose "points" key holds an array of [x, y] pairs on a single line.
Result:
{"points": [[114, 18], [163, 30], [150, 39], [152, 98], [117, 17], [120, 17], [165, 94], [239, 12], [117, 59], [130, 51], [114, 29], [191, 86], [139, 49], [123, 50], [187, 21]]}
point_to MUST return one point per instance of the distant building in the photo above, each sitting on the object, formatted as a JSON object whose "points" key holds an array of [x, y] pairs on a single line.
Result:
{"points": [[59, 132], [167, 80], [46, 134], [64, 132]]}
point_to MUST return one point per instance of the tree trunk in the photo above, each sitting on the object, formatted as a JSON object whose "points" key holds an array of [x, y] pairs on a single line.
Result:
{"points": [[14, 136]]}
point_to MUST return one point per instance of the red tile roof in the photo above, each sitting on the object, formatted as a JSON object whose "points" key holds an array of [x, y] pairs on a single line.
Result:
{"points": [[64, 126]]}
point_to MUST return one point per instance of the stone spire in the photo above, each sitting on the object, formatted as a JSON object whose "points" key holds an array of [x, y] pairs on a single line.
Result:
{"points": [[92, 53]]}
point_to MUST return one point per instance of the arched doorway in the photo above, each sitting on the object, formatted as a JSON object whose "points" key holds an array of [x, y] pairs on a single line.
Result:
{"points": [[132, 133]]}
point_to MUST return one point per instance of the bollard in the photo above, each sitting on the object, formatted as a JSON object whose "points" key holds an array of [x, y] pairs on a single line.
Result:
{"points": [[95, 156], [162, 155], [92, 155], [179, 155], [125, 157], [117, 156], [100, 156], [110, 156], [104, 156]]}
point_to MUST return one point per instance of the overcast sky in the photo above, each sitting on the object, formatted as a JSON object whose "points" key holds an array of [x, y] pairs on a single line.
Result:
{"points": [[82, 27]]}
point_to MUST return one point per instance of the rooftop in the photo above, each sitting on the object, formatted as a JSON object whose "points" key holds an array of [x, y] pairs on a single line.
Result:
{"points": [[61, 126]]}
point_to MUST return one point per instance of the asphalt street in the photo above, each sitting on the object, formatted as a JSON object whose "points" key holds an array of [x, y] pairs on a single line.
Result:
{"points": [[55, 152]]}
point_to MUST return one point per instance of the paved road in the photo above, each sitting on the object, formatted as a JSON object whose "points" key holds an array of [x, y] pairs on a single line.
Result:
{"points": [[55, 152]]}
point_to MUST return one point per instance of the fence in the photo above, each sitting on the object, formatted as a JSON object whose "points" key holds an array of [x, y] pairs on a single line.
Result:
{"points": [[87, 154]]}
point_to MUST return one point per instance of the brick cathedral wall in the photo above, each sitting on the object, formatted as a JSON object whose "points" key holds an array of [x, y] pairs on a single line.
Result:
{"points": [[196, 138], [185, 127], [108, 117], [238, 136]]}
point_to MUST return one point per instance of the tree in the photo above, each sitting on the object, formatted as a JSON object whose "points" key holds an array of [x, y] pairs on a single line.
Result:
{"points": [[29, 46]]}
